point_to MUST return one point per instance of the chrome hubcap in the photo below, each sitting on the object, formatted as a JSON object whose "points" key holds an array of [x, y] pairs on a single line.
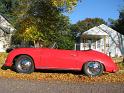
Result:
{"points": [[24, 64], [94, 68]]}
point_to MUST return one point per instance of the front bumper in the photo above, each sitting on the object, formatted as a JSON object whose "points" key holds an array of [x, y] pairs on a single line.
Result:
{"points": [[5, 67]]}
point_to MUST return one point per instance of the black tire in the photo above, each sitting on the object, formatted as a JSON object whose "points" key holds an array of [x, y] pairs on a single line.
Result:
{"points": [[93, 68], [24, 64]]}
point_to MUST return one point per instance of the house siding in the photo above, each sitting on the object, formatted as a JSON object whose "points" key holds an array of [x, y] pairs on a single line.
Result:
{"points": [[103, 39], [6, 30]]}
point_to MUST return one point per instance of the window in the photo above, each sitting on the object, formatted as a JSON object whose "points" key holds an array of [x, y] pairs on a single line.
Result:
{"points": [[107, 45]]}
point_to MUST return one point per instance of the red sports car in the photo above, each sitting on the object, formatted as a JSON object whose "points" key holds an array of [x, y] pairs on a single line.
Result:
{"points": [[92, 63]]}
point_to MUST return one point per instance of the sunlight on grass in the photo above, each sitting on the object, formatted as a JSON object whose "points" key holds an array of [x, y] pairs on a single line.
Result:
{"points": [[118, 59], [2, 58]]}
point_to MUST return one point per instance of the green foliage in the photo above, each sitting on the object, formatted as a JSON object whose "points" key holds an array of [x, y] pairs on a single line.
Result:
{"points": [[65, 5], [84, 25], [39, 20], [65, 42], [32, 34], [20, 7], [118, 25], [44, 23], [7, 8]]}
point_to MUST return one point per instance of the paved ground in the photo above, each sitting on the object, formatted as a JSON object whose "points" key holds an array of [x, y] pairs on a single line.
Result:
{"points": [[22, 86]]}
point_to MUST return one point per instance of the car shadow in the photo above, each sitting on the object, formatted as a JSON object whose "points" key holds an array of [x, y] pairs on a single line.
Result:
{"points": [[49, 71], [5, 68], [60, 71]]}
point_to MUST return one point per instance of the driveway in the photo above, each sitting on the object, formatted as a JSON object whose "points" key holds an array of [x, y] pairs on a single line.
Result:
{"points": [[25, 86]]}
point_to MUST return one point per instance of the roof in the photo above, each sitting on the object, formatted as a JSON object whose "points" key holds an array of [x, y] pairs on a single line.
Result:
{"points": [[98, 31], [5, 25], [95, 31], [107, 29]]}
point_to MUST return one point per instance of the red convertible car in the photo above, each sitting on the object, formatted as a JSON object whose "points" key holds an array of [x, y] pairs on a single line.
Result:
{"points": [[90, 62]]}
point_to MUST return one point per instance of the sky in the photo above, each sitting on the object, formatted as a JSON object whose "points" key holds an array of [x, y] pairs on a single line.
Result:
{"points": [[96, 8]]}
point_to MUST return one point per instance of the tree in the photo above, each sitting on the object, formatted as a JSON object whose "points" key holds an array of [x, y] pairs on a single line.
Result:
{"points": [[84, 25], [88, 23], [65, 5], [41, 19], [44, 23]]}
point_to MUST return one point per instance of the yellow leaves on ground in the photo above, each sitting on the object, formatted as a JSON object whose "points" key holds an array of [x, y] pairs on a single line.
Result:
{"points": [[105, 78]]}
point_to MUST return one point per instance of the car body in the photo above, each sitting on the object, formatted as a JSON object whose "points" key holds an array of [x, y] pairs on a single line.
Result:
{"points": [[26, 60]]}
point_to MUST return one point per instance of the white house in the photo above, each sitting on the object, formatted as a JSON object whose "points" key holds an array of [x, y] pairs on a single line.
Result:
{"points": [[6, 30], [104, 39]]}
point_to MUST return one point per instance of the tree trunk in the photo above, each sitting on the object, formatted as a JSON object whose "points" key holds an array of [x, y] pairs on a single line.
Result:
{"points": [[122, 56], [37, 44], [123, 59]]}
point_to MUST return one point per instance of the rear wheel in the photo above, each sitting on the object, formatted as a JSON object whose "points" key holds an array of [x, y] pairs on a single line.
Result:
{"points": [[93, 68], [24, 64]]}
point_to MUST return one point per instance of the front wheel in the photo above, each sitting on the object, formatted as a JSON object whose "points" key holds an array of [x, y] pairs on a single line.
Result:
{"points": [[93, 68], [24, 64]]}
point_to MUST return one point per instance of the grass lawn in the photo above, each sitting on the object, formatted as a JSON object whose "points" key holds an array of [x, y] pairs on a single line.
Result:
{"points": [[71, 77]]}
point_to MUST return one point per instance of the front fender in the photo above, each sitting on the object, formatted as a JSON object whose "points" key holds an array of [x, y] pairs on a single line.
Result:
{"points": [[17, 52]]}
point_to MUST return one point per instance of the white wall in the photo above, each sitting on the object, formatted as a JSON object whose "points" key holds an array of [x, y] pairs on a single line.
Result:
{"points": [[6, 27], [111, 50], [2, 49]]}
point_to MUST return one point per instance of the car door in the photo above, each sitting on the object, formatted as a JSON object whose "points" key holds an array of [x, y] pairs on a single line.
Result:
{"points": [[61, 59]]}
